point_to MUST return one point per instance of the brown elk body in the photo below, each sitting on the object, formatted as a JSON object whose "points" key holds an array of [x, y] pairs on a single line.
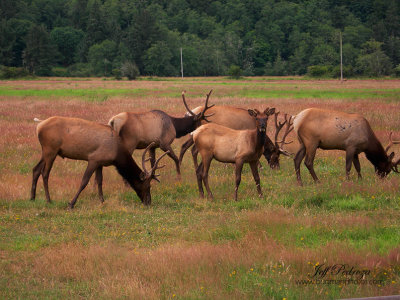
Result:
{"points": [[95, 143], [239, 119], [138, 130], [223, 144], [327, 129]]}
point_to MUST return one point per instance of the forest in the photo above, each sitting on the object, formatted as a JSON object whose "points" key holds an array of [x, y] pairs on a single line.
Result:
{"points": [[249, 37]]}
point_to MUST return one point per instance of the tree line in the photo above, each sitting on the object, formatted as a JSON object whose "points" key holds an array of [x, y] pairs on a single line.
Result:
{"points": [[252, 37]]}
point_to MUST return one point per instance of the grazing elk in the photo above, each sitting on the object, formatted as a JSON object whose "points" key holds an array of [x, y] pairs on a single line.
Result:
{"points": [[138, 130], [96, 143], [231, 146], [239, 119], [328, 129]]}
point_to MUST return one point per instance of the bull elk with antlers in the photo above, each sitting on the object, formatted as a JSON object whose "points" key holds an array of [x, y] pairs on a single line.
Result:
{"points": [[138, 130], [96, 143], [328, 129], [231, 146], [239, 119]]}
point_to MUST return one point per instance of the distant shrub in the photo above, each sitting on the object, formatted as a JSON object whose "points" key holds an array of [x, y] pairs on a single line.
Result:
{"points": [[79, 70], [318, 71], [60, 72], [12, 72], [130, 70], [348, 71], [117, 73], [235, 72]]}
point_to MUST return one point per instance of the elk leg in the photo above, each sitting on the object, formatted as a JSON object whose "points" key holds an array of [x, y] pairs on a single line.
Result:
{"points": [[194, 156], [92, 166], [48, 164], [309, 161], [199, 172], [37, 170], [206, 167], [173, 156], [238, 174], [99, 181], [184, 148], [357, 166], [349, 161], [297, 162], [256, 176]]}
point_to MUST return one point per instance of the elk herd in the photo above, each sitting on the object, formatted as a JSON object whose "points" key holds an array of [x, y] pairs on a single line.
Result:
{"points": [[224, 133]]}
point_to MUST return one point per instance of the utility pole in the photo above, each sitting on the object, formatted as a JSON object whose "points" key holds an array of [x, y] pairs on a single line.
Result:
{"points": [[341, 57], [181, 64]]}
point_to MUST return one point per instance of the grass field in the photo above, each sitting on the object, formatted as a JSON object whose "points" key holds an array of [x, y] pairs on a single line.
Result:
{"points": [[184, 247]]}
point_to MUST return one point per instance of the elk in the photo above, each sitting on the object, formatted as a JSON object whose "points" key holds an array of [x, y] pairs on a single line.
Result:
{"points": [[96, 143], [239, 119], [328, 129], [138, 130], [231, 146]]}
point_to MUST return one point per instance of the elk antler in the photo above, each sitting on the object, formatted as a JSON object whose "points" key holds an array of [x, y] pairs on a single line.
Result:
{"points": [[288, 128], [151, 173], [202, 115], [278, 127], [184, 103], [391, 142]]}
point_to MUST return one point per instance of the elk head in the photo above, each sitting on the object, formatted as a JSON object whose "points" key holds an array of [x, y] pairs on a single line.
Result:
{"points": [[384, 168], [276, 149], [147, 176], [261, 122], [200, 116]]}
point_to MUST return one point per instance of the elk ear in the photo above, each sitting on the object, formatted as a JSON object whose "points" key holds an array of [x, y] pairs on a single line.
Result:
{"points": [[270, 111], [142, 176], [252, 112]]}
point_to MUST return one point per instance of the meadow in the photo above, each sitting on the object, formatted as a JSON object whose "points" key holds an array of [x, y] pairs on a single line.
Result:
{"points": [[182, 246]]}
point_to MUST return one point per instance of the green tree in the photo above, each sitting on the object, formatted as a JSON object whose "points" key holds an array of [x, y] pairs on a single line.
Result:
{"points": [[142, 32], [40, 54], [373, 61], [67, 39], [101, 57], [95, 30], [158, 60]]}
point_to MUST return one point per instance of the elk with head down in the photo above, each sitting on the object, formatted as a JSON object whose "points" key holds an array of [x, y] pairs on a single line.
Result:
{"points": [[96, 143], [139, 130], [328, 129], [227, 145], [239, 119]]}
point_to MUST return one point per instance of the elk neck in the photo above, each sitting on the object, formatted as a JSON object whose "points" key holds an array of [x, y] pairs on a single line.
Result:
{"points": [[184, 125], [128, 169], [260, 138], [375, 152]]}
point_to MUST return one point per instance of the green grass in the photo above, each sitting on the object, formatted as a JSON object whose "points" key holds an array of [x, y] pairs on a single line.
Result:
{"points": [[93, 95], [301, 93], [269, 92]]}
